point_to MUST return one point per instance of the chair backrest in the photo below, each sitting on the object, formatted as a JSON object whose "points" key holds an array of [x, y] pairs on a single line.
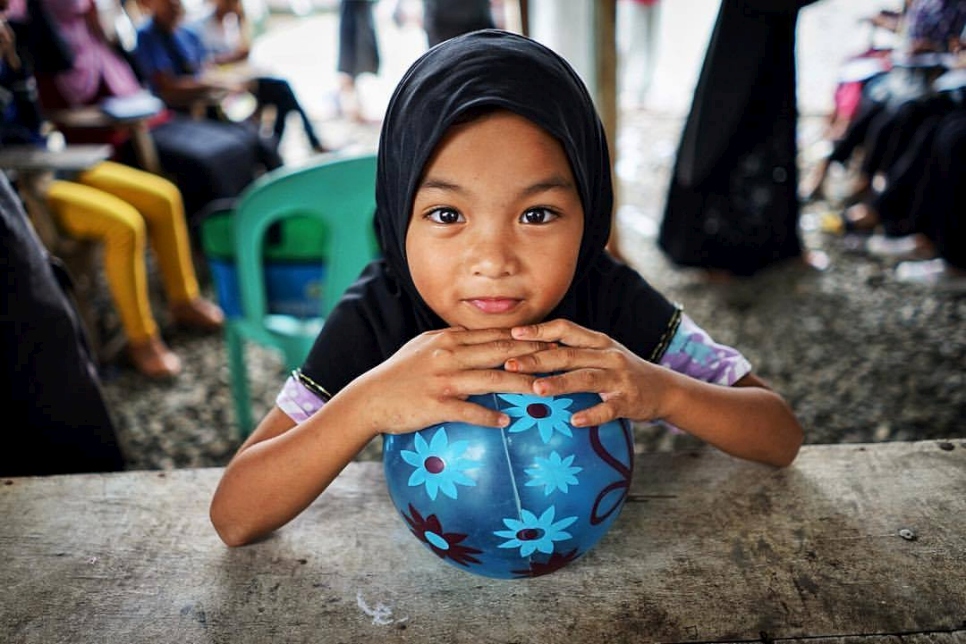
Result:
{"points": [[340, 193]]}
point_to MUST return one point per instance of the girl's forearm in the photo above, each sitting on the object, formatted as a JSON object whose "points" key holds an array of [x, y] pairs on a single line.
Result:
{"points": [[750, 422], [270, 481]]}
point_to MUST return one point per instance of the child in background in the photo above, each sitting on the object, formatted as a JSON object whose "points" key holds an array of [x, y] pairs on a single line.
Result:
{"points": [[493, 207]]}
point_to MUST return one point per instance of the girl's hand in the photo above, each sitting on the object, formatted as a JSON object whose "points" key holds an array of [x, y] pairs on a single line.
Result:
{"points": [[430, 378], [588, 361], [746, 420]]}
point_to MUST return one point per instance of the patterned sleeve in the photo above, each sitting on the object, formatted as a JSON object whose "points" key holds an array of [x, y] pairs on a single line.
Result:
{"points": [[693, 353], [298, 399]]}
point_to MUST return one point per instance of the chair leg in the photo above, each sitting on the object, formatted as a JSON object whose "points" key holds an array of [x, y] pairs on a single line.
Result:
{"points": [[239, 381]]}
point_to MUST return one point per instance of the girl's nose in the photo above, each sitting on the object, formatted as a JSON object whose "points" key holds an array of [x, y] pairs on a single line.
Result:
{"points": [[492, 255]]}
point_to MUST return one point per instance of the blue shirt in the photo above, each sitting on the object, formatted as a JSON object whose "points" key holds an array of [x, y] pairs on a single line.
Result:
{"points": [[179, 53]]}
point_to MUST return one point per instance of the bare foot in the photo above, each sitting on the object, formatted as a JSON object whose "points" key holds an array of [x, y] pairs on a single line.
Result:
{"points": [[154, 359], [812, 186], [861, 217], [817, 260], [199, 314]]}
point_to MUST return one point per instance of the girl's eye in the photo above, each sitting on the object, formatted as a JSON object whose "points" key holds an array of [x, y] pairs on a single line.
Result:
{"points": [[445, 216], [538, 216]]}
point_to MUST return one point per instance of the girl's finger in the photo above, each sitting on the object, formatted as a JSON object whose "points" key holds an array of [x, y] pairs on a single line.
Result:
{"points": [[474, 414], [461, 336], [568, 358], [580, 380], [476, 382], [555, 359], [458, 411], [486, 350], [562, 331], [495, 354], [596, 415]]}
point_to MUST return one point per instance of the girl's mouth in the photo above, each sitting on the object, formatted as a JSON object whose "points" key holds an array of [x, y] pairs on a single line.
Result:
{"points": [[494, 305]]}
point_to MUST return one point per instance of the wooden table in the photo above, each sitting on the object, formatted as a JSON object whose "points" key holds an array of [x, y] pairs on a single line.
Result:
{"points": [[854, 543]]}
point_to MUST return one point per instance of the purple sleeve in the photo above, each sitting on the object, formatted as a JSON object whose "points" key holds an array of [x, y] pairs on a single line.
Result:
{"points": [[693, 353], [298, 401]]}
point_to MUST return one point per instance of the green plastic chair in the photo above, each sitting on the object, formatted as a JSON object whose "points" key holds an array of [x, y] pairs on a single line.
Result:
{"points": [[340, 193]]}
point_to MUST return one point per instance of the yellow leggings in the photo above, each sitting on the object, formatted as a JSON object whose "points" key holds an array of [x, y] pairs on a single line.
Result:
{"points": [[120, 207]]}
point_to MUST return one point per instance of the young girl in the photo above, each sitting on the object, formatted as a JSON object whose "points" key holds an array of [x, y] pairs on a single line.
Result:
{"points": [[493, 209]]}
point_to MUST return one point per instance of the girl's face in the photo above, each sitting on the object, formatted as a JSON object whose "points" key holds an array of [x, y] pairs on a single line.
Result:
{"points": [[496, 224]]}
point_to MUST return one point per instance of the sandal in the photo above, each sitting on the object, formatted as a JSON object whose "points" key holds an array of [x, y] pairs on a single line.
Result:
{"points": [[152, 358], [199, 314], [907, 247]]}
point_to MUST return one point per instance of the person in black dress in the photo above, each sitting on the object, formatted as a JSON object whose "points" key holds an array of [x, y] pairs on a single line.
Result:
{"points": [[358, 54], [732, 205]]}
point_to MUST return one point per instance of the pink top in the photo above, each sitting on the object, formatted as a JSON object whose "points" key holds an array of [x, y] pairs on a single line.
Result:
{"points": [[17, 10], [94, 61]]}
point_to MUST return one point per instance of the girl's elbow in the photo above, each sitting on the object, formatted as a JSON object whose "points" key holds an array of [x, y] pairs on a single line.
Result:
{"points": [[231, 538], [786, 457], [788, 451], [231, 533]]}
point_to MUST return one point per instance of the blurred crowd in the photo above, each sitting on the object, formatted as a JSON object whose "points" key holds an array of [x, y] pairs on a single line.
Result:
{"points": [[898, 132]]}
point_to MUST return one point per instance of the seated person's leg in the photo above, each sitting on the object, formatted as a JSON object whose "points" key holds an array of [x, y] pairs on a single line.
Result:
{"points": [[89, 213], [159, 203], [206, 160], [901, 208], [265, 149], [949, 233], [278, 92], [879, 140], [842, 149]]}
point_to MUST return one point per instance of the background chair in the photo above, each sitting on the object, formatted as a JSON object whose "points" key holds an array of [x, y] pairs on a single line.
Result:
{"points": [[339, 194]]}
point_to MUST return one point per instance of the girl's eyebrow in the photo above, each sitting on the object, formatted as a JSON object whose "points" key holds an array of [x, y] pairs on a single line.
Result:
{"points": [[553, 182], [439, 184]]}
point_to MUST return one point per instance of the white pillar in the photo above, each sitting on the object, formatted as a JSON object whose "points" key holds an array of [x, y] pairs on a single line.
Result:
{"points": [[567, 27]]}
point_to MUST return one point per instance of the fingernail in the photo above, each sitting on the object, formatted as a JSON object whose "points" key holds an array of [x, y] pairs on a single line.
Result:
{"points": [[511, 365], [520, 332], [577, 421], [504, 420]]}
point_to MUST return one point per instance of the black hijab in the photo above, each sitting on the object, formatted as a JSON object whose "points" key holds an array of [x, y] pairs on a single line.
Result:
{"points": [[497, 70]]}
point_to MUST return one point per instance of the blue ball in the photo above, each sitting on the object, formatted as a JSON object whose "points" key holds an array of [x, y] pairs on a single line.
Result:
{"points": [[517, 502]]}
